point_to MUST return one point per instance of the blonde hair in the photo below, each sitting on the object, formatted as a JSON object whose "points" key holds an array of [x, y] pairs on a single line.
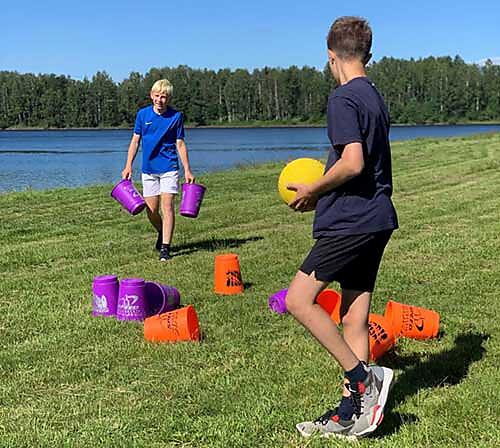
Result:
{"points": [[163, 86]]}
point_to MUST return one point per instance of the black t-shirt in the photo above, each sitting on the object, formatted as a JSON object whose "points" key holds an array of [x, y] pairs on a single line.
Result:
{"points": [[357, 113]]}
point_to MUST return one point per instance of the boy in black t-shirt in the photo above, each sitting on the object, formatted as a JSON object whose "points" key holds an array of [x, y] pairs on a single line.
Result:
{"points": [[353, 223]]}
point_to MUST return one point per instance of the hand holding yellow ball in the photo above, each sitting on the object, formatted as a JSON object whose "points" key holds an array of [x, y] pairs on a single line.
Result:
{"points": [[299, 171]]}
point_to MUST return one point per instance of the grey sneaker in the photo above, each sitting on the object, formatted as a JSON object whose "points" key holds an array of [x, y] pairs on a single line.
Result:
{"points": [[328, 425], [370, 398]]}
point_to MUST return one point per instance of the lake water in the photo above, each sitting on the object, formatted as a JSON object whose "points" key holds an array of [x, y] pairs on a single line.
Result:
{"points": [[71, 158]]}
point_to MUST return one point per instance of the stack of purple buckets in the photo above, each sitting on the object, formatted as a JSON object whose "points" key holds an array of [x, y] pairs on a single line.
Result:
{"points": [[132, 298]]}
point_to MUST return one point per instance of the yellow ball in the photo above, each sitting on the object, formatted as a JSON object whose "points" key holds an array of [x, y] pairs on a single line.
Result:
{"points": [[301, 171]]}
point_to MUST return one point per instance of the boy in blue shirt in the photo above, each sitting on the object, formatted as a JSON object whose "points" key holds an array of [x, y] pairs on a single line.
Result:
{"points": [[354, 220], [161, 129]]}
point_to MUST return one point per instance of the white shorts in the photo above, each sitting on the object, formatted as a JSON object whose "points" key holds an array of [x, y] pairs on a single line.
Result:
{"points": [[155, 184]]}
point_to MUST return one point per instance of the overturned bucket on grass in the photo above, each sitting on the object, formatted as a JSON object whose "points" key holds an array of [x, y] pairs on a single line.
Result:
{"points": [[177, 325], [412, 321], [105, 295], [381, 336], [160, 298], [131, 299], [330, 300], [277, 301], [227, 275]]}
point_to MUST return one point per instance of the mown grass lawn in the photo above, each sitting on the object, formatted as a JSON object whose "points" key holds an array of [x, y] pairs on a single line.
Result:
{"points": [[68, 379]]}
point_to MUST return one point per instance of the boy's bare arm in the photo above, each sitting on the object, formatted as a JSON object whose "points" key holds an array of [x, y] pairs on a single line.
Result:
{"points": [[183, 155], [347, 167], [132, 152]]}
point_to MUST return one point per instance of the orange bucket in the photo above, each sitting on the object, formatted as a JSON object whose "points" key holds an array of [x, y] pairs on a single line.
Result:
{"points": [[412, 321], [330, 300], [380, 335], [227, 275], [178, 325]]}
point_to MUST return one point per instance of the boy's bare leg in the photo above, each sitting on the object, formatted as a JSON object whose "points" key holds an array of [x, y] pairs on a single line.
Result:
{"points": [[300, 303], [167, 209], [153, 209], [354, 313], [361, 414]]}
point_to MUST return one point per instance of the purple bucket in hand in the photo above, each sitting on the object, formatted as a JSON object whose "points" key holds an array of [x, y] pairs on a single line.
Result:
{"points": [[192, 195], [131, 299], [130, 199], [277, 302], [105, 291], [161, 298]]}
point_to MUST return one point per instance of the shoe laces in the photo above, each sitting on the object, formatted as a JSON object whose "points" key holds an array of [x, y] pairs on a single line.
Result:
{"points": [[357, 390], [327, 416]]}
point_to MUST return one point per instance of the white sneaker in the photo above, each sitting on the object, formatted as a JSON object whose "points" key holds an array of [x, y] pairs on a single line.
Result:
{"points": [[328, 425]]}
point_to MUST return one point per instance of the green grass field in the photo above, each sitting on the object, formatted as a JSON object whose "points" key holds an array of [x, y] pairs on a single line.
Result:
{"points": [[68, 379]]}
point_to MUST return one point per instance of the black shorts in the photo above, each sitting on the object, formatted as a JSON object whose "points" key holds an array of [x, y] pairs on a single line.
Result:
{"points": [[351, 260]]}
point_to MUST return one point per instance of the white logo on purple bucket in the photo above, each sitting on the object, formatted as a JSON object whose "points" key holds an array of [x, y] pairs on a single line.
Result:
{"points": [[130, 306], [133, 191], [100, 304]]}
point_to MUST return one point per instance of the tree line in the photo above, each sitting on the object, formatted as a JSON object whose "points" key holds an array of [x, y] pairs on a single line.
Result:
{"points": [[429, 90]]}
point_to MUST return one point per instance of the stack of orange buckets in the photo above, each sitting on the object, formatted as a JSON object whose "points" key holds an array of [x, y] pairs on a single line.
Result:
{"points": [[399, 320]]}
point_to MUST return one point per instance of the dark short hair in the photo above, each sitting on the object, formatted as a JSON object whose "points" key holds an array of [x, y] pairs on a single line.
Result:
{"points": [[351, 38]]}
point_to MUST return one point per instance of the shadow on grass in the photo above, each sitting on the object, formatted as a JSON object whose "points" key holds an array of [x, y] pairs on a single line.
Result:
{"points": [[212, 245], [446, 368]]}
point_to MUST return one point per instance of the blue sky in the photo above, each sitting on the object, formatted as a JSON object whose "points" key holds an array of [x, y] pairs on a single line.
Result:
{"points": [[79, 38]]}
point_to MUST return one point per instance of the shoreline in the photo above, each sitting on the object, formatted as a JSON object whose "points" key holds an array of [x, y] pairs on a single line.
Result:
{"points": [[186, 127], [486, 137], [249, 126]]}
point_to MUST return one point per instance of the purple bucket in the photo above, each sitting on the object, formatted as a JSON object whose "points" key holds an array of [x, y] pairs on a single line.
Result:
{"points": [[277, 302], [131, 299], [127, 195], [192, 195], [160, 298], [105, 292]]}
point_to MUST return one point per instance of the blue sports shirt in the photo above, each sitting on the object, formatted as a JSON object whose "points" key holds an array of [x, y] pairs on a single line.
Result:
{"points": [[159, 134]]}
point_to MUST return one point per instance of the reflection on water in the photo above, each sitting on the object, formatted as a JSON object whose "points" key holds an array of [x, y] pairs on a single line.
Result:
{"points": [[49, 159]]}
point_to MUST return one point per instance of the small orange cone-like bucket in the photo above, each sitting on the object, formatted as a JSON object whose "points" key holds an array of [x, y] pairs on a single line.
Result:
{"points": [[178, 325], [330, 300], [412, 321], [227, 275], [380, 335]]}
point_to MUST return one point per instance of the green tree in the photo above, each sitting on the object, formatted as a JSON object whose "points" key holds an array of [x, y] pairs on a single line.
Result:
{"points": [[103, 93]]}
